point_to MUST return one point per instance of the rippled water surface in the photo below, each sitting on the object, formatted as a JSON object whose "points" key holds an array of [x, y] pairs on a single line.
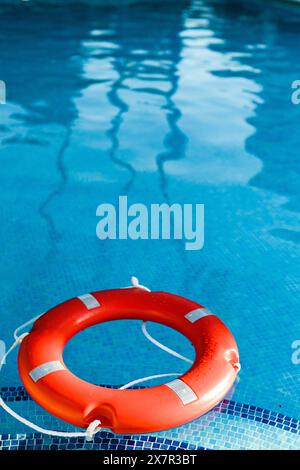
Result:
{"points": [[184, 101]]}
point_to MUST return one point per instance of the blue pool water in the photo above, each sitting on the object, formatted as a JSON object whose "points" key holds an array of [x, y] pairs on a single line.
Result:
{"points": [[180, 101]]}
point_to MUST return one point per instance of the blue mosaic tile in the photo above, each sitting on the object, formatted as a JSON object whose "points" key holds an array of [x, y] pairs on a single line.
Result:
{"points": [[107, 440]]}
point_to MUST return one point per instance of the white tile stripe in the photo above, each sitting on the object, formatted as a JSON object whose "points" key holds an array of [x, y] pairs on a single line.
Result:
{"points": [[89, 301], [183, 391], [195, 315], [44, 369]]}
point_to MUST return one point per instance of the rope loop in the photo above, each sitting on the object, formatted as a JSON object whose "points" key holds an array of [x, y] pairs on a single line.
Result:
{"points": [[92, 429], [135, 283], [21, 337]]}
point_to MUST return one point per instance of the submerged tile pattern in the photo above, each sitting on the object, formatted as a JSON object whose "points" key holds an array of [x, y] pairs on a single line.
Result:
{"points": [[251, 426], [103, 441]]}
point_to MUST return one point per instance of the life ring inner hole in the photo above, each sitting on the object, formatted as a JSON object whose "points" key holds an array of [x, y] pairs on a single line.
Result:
{"points": [[116, 352]]}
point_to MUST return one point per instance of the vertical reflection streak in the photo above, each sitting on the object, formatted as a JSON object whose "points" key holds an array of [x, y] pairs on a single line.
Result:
{"points": [[175, 141], [54, 235], [116, 123]]}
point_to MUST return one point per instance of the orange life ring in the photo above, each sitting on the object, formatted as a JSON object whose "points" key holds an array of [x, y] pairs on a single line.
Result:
{"points": [[76, 401]]}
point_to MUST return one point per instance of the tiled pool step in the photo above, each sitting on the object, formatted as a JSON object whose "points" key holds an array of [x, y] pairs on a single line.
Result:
{"points": [[103, 440], [229, 407]]}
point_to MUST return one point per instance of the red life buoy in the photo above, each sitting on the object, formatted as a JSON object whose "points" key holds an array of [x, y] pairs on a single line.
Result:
{"points": [[76, 401]]}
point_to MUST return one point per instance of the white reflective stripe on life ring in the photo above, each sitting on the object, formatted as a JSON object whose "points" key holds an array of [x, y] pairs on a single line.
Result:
{"points": [[89, 301], [195, 315], [183, 391], [44, 369]]}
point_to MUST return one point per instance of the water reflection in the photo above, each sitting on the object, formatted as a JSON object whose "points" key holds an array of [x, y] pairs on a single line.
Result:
{"points": [[176, 140], [52, 78], [61, 170], [48, 79], [146, 57], [169, 55], [116, 122], [265, 42]]}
